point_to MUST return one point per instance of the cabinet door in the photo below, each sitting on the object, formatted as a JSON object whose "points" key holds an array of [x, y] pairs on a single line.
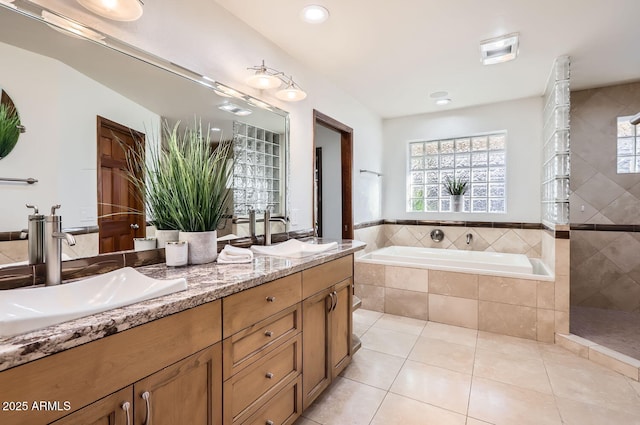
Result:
{"points": [[187, 392], [340, 343], [111, 410], [316, 368]]}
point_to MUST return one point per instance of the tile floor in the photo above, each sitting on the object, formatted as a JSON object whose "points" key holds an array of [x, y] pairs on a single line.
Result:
{"points": [[618, 330], [412, 372]]}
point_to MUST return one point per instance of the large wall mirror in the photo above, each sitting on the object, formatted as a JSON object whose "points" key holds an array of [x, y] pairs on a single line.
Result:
{"points": [[73, 91]]}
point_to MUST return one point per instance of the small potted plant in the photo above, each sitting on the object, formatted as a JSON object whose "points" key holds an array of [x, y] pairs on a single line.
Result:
{"points": [[456, 189], [184, 185]]}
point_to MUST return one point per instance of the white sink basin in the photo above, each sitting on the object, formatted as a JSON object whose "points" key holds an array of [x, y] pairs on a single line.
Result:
{"points": [[27, 309], [293, 248]]}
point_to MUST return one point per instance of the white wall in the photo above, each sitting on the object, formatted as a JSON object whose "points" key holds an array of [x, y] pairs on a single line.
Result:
{"points": [[60, 145], [522, 119], [202, 36], [330, 143]]}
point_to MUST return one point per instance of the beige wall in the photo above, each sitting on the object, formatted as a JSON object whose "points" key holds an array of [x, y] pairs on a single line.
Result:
{"points": [[605, 267]]}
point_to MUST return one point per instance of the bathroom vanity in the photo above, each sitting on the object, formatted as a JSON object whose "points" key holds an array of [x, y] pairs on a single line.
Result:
{"points": [[244, 344]]}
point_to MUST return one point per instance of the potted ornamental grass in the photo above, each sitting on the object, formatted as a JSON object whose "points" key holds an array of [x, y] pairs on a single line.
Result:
{"points": [[456, 188], [184, 184]]}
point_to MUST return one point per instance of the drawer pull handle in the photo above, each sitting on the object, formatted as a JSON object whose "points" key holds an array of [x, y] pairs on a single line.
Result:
{"points": [[335, 303], [271, 299], [268, 333], [146, 396], [269, 375], [125, 406], [269, 422], [330, 299]]}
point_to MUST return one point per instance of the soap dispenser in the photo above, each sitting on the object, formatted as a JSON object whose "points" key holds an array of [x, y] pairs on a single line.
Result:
{"points": [[35, 234]]}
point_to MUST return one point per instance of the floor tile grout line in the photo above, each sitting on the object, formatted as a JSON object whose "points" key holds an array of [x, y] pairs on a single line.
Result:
{"points": [[473, 369]]}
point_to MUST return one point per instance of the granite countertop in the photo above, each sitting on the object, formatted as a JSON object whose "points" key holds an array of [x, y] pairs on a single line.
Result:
{"points": [[205, 283]]}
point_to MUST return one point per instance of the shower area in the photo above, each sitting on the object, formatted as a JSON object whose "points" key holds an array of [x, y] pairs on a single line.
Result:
{"points": [[605, 217]]}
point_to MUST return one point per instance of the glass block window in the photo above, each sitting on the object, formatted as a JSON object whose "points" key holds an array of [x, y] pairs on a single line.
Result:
{"points": [[480, 160], [628, 146], [258, 170]]}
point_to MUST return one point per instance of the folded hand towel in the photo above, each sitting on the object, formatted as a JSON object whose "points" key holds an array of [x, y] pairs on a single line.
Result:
{"points": [[234, 255]]}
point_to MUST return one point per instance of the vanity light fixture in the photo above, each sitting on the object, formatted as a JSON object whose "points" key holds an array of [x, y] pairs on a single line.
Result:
{"points": [[314, 14], [8, 3], [70, 28], [270, 78], [117, 10], [499, 49]]}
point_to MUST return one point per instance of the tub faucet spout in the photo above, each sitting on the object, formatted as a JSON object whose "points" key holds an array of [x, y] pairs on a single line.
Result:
{"points": [[469, 238]]}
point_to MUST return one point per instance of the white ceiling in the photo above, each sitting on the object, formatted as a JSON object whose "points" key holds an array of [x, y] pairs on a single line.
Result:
{"points": [[390, 55]]}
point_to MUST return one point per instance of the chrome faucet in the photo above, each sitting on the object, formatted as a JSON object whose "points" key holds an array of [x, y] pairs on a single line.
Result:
{"points": [[252, 223], [469, 238], [53, 236], [267, 226]]}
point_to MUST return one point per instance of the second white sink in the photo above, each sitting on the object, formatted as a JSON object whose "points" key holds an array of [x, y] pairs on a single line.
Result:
{"points": [[27, 309], [293, 248]]}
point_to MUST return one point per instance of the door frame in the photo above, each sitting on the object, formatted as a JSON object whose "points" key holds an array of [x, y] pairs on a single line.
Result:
{"points": [[346, 161]]}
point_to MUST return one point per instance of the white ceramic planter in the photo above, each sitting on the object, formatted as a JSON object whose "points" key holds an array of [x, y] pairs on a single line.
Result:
{"points": [[164, 236], [457, 203], [203, 246]]}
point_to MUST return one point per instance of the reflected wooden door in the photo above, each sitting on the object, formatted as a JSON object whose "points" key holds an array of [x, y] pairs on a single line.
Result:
{"points": [[117, 197]]}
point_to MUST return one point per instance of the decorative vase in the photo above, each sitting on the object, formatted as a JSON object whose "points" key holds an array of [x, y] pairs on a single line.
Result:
{"points": [[164, 236], [203, 246], [457, 202]]}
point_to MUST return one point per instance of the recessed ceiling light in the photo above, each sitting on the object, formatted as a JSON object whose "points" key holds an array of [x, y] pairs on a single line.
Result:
{"points": [[499, 49], [437, 94], [314, 14], [443, 101]]}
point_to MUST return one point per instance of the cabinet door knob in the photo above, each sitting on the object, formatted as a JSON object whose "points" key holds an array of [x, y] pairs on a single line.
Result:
{"points": [[268, 333], [135, 226], [271, 299], [146, 397], [269, 422], [269, 375], [335, 303], [126, 406]]}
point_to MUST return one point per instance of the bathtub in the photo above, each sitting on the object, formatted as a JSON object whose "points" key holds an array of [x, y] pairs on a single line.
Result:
{"points": [[480, 262]]}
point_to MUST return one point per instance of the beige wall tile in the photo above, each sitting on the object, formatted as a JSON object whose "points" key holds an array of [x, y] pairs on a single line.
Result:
{"points": [[507, 290], [453, 311], [562, 257], [548, 252], [407, 278], [372, 296], [545, 325], [562, 322], [531, 236], [561, 293], [14, 251], [613, 360], [406, 303], [368, 274], [507, 319], [463, 285], [512, 243], [546, 294]]}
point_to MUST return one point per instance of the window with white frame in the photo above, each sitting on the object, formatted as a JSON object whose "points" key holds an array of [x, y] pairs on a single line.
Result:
{"points": [[628, 146], [480, 160]]}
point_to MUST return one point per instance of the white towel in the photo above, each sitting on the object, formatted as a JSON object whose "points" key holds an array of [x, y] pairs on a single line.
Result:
{"points": [[294, 248], [234, 255]]}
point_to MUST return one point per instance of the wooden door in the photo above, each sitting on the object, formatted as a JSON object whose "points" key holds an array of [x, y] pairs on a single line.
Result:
{"points": [[188, 392], [107, 411], [316, 373], [340, 343], [117, 197]]}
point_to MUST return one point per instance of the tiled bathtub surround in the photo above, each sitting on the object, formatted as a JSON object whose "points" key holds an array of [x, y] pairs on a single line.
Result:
{"points": [[518, 307]]}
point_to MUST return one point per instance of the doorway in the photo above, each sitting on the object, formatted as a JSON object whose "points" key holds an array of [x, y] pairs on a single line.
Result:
{"points": [[332, 209], [120, 207]]}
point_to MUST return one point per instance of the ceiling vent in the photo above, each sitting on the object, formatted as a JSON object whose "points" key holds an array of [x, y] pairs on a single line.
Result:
{"points": [[500, 49]]}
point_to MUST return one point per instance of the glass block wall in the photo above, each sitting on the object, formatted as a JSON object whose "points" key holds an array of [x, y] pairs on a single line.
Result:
{"points": [[258, 171], [555, 173]]}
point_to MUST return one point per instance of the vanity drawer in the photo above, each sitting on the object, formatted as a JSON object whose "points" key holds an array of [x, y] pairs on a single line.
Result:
{"points": [[321, 277], [254, 342], [249, 389], [283, 409], [253, 305]]}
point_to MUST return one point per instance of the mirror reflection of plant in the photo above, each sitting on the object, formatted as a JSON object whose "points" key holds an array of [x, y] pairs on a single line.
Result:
{"points": [[456, 187], [184, 183], [9, 129]]}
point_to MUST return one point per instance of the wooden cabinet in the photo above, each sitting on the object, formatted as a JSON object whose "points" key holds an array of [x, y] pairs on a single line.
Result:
{"points": [[326, 320], [115, 409]]}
